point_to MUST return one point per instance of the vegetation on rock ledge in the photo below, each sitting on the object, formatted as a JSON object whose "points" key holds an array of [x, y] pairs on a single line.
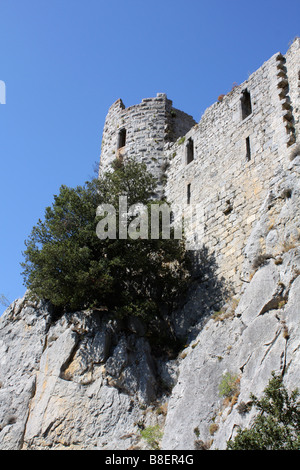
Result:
{"points": [[277, 425]]}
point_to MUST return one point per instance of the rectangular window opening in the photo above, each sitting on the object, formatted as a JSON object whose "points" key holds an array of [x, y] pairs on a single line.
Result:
{"points": [[189, 151], [188, 193], [246, 104], [248, 149], [121, 139]]}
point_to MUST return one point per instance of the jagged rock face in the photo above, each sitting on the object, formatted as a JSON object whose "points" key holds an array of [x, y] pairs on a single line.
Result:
{"points": [[257, 335], [74, 383], [22, 341], [278, 226], [80, 383], [263, 335]]}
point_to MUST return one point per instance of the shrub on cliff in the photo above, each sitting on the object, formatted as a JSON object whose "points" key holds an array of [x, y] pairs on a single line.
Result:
{"points": [[67, 264], [277, 426]]}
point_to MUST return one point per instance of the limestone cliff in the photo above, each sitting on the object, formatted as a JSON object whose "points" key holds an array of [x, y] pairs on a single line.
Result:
{"points": [[83, 381]]}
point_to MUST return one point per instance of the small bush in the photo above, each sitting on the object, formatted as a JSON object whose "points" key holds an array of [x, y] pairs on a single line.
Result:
{"points": [[162, 409], [213, 428], [152, 435], [289, 245], [201, 445], [243, 407], [260, 261], [229, 385], [218, 315]]}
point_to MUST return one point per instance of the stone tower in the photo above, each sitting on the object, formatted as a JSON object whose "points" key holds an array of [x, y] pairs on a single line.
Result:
{"points": [[142, 131]]}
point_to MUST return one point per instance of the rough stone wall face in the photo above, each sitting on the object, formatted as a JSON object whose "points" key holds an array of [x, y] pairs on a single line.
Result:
{"points": [[293, 75], [148, 125], [234, 157]]}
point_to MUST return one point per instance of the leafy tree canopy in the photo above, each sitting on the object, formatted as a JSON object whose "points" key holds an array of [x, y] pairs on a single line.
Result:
{"points": [[277, 425], [67, 264]]}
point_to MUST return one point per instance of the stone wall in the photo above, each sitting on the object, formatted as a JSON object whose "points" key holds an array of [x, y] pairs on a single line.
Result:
{"points": [[293, 75], [239, 145], [234, 160]]}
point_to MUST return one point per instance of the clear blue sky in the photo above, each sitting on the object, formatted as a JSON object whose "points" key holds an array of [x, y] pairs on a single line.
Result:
{"points": [[64, 62]]}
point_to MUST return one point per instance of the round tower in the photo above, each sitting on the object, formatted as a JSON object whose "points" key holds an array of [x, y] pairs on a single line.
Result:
{"points": [[141, 131]]}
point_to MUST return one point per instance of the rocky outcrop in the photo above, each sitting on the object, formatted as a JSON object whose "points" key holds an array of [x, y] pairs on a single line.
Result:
{"points": [[256, 333], [262, 335], [85, 381], [72, 383]]}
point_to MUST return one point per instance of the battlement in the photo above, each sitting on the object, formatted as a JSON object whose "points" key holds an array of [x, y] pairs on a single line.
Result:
{"points": [[225, 163]]}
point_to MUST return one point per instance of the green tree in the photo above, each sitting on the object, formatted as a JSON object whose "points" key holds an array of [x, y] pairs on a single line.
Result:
{"points": [[277, 425], [67, 264]]}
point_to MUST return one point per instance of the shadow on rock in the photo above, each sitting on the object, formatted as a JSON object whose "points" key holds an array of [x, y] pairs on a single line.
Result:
{"points": [[207, 293]]}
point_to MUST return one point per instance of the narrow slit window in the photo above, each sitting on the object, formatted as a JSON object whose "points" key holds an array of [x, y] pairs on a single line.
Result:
{"points": [[189, 151], [248, 149], [188, 193], [121, 138], [246, 104]]}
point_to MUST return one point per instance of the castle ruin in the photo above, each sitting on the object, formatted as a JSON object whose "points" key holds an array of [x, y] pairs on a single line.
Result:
{"points": [[224, 164]]}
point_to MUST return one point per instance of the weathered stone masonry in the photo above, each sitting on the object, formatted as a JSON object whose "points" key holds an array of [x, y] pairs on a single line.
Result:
{"points": [[142, 130], [225, 163]]}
